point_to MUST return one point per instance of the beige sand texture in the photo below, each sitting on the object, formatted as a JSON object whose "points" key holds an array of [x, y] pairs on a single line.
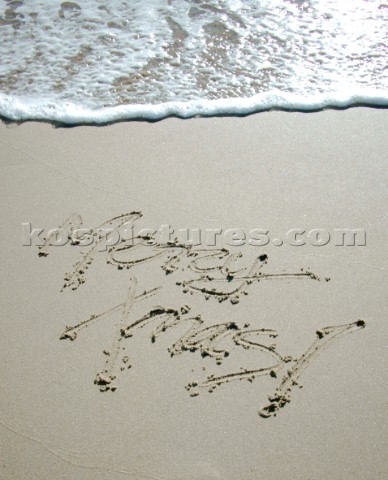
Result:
{"points": [[275, 171]]}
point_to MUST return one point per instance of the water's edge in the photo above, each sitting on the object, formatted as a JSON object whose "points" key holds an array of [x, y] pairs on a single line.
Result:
{"points": [[19, 110]]}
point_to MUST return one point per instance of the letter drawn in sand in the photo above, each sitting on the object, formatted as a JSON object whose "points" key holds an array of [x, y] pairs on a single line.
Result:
{"points": [[72, 225], [207, 284], [325, 337]]}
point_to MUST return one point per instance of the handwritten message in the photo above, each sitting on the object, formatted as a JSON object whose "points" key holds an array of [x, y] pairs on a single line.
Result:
{"points": [[214, 273]]}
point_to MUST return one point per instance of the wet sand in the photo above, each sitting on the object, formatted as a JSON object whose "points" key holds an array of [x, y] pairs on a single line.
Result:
{"points": [[170, 361]]}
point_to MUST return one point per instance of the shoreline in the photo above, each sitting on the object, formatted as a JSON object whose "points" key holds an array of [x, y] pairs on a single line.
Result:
{"points": [[66, 114]]}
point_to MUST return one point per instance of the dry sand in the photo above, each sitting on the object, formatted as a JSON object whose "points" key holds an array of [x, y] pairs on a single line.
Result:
{"points": [[276, 171]]}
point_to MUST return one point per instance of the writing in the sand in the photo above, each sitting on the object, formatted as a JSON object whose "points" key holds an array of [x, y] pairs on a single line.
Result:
{"points": [[212, 274]]}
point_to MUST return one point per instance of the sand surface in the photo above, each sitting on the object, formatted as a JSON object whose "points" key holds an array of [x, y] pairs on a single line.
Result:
{"points": [[274, 171]]}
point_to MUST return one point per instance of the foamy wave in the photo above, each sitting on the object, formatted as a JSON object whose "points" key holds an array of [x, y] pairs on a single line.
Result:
{"points": [[96, 62], [22, 109]]}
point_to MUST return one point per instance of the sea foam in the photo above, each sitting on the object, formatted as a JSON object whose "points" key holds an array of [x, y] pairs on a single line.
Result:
{"points": [[90, 62]]}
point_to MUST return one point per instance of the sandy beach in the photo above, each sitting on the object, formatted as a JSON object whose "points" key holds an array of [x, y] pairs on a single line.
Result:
{"points": [[104, 378]]}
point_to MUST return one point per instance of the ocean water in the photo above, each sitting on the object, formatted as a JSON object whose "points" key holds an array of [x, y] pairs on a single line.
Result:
{"points": [[94, 61]]}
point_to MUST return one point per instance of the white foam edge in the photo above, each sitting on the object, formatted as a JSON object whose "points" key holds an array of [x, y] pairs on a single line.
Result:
{"points": [[19, 108]]}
